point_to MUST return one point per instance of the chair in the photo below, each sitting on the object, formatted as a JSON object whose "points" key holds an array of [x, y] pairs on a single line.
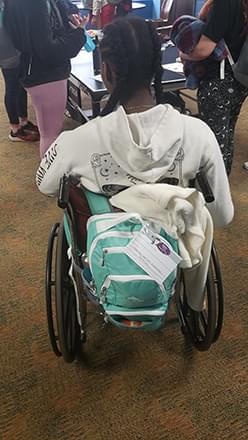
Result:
{"points": [[169, 11], [67, 296]]}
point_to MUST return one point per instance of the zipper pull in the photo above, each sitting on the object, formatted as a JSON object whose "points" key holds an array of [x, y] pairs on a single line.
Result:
{"points": [[103, 295], [104, 253], [30, 65]]}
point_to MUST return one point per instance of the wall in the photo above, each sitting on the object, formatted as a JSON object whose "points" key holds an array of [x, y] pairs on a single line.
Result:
{"points": [[146, 12], [156, 9]]}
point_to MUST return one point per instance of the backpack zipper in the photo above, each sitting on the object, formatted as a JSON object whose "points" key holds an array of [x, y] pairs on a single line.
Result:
{"points": [[30, 65]]}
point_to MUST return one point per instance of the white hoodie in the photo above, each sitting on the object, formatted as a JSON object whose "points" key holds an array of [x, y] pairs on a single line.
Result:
{"points": [[124, 150]]}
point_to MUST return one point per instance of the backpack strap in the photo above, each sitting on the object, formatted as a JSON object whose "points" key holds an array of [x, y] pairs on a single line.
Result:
{"points": [[49, 7], [98, 203]]}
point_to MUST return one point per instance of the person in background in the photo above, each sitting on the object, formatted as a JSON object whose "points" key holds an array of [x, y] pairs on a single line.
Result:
{"points": [[15, 97], [103, 13], [136, 140], [123, 8], [220, 100], [47, 38]]}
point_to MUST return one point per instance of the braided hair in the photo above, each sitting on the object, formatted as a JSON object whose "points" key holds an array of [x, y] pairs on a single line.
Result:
{"points": [[132, 47]]}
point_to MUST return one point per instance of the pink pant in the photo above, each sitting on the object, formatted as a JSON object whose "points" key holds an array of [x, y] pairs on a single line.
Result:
{"points": [[49, 102]]}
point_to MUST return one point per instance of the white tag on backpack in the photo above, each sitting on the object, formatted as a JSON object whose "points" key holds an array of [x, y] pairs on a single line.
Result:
{"points": [[154, 254]]}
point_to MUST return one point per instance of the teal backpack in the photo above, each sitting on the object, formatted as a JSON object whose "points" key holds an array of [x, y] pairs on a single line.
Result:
{"points": [[121, 280]]}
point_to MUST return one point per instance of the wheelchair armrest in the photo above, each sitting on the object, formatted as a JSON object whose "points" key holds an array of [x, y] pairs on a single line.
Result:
{"points": [[64, 188]]}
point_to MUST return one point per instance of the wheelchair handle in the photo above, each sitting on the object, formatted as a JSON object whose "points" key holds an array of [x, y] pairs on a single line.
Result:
{"points": [[64, 188], [205, 187]]}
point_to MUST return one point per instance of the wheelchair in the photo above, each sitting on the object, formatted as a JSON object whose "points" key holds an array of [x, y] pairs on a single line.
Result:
{"points": [[68, 296]]}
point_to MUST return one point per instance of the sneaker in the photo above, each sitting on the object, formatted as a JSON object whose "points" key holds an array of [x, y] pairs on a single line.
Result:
{"points": [[30, 127], [245, 166], [22, 136]]}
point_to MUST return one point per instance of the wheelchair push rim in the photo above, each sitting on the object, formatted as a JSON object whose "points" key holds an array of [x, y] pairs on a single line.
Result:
{"points": [[50, 289], [66, 315], [203, 327], [219, 292], [63, 328]]}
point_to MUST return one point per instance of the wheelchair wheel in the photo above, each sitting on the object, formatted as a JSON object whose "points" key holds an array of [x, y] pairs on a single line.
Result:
{"points": [[67, 341], [219, 292], [50, 289], [203, 327]]}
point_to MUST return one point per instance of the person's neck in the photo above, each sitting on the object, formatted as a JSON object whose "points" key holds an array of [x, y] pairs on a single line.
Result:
{"points": [[141, 101]]}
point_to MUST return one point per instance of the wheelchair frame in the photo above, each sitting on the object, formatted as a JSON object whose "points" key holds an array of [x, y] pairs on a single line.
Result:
{"points": [[67, 298]]}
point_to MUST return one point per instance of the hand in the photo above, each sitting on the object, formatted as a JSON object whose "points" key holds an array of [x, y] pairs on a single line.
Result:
{"points": [[183, 56], [76, 21]]}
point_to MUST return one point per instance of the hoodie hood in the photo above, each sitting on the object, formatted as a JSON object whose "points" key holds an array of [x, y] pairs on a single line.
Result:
{"points": [[149, 143]]}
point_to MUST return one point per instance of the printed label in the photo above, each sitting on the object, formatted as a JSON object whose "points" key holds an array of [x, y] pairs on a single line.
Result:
{"points": [[154, 254]]}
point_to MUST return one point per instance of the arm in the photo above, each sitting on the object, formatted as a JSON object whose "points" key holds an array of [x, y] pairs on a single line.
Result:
{"points": [[214, 31], [204, 11], [50, 48], [212, 163], [54, 164], [202, 50], [70, 154]]}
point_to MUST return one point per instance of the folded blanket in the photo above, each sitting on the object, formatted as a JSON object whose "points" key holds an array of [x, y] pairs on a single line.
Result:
{"points": [[185, 34]]}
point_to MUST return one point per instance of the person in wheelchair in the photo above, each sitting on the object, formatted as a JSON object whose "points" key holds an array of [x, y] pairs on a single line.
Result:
{"points": [[136, 139]]}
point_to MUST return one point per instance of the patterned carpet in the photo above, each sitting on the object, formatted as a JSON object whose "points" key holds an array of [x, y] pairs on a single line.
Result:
{"points": [[132, 386]]}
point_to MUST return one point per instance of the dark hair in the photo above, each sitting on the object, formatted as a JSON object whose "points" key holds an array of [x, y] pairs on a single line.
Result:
{"points": [[132, 47]]}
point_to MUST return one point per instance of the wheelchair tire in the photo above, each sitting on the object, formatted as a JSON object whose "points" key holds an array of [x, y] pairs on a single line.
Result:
{"points": [[66, 315], [203, 327], [219, 292], [50, 289]]}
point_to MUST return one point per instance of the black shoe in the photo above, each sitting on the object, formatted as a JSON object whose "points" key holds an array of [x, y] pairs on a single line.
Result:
{"points": [[23, 136], [30, 127]]}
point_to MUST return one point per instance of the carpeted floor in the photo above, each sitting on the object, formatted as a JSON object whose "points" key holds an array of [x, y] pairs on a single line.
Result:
{"points": [[133, 386]]}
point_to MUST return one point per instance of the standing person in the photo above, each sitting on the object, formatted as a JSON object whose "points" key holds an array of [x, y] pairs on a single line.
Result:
{"points": [[47, 38], [103, 12], [220, 100], [136, 140], [15, 97]]}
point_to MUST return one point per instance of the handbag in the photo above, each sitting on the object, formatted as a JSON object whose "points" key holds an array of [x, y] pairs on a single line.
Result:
{"points": [[240, 68]]}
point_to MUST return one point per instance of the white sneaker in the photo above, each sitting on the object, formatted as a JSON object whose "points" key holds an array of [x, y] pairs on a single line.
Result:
{"points": [[245, 166]]}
